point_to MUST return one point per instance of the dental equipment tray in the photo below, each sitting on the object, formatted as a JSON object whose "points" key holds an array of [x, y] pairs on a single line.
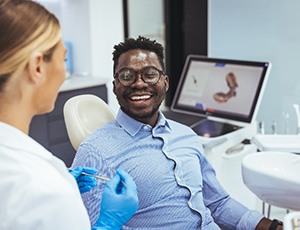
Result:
{"points": [[286, 143]]}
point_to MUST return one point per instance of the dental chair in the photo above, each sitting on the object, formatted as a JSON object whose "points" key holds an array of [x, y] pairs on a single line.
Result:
{"points": [[83, 114]]}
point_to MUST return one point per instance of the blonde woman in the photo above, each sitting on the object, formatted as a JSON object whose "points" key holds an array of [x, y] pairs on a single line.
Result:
{"points": [[36, 189]]}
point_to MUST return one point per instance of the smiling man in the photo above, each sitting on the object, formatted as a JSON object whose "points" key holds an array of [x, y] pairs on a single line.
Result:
{"points": [[177, 187], [135, 71]]}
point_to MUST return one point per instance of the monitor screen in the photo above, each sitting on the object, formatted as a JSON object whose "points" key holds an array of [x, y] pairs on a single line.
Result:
{"points": [[222, 88]]}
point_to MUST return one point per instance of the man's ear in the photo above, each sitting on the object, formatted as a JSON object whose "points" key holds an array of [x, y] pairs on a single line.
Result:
{"points": [[36, 67], [166, 83], [114, 87]]}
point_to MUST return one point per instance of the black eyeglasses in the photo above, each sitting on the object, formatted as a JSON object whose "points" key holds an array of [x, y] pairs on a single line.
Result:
{"points": [[149, 75]]}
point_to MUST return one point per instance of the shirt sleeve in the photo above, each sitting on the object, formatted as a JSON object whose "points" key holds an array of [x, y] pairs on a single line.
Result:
{"points": [[226, 211], [90, 156]]}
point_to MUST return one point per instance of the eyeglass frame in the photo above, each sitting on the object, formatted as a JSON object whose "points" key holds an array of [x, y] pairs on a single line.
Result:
{"points": [[140, 72]]}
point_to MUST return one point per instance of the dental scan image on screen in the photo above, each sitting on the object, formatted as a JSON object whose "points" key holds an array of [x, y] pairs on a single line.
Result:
{"points": [[222, 88], [212, 86]]}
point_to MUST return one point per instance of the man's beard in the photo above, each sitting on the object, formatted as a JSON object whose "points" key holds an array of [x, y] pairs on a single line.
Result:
{"points": [[142, 117]]}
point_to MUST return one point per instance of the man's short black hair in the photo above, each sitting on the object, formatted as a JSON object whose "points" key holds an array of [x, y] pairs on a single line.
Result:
{"points": [[139, 43]]}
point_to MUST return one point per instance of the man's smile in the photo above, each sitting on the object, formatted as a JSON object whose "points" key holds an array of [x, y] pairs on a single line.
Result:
{"points": [[139, 97]]}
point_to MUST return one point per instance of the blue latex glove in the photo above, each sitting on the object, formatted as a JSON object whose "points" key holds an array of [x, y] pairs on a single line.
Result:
{"points": [[85, 183], [119, 202]]}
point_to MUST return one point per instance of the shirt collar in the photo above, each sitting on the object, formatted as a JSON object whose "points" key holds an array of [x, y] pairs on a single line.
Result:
{"points": [[133, 126]]}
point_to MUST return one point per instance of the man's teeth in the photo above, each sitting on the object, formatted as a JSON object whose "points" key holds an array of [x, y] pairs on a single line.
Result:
{"points": [[140, 97]]}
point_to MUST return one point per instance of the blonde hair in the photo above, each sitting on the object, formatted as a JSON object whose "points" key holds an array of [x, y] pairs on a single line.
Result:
{"points": [[25, 26]]}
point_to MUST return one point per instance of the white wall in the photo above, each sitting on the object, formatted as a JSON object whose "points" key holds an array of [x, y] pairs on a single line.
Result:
{"points": [[263, 30], [93, 27], [107, 30], [150, 24], [75, 23]]}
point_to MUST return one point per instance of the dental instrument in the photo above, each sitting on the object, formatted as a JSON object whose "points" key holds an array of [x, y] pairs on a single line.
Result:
{"points": [[101, 177], [96, 176], [296, 107]]}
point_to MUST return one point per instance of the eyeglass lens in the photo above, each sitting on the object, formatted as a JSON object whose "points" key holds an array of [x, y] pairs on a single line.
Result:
{"points": [[149, 75]]}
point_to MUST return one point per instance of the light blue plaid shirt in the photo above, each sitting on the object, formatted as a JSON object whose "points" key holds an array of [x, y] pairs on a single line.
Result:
{"points": [[177, 187]]}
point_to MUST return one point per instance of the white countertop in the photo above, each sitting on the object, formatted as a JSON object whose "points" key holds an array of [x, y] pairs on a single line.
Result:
{"points": [[77, 82]]}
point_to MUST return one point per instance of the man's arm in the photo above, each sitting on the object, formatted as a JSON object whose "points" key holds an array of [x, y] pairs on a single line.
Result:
{"points": [[240, 215]]}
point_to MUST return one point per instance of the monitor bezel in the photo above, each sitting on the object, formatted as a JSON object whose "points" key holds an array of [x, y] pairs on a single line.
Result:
{"points": [[233, 117]]}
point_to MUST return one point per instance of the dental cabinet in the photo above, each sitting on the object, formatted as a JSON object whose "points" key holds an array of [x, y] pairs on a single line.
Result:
{"points": [[50, 130]]}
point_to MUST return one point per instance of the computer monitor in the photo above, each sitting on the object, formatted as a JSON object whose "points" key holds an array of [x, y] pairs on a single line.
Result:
{"points": [[225, 89]]}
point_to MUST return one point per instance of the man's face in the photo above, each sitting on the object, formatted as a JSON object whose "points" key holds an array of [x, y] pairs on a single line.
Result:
{"points": [[140, 100]]}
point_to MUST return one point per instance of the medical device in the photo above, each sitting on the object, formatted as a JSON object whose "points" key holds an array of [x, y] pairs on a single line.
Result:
{"points": [[96, 176], [226, 92], [101, 177]]}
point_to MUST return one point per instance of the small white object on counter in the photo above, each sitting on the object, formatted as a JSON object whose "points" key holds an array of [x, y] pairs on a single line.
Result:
{"points": [[292, 221]]}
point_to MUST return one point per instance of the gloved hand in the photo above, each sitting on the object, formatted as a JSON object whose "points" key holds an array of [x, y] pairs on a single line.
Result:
{"points": [[119, 202], [85, 183]]}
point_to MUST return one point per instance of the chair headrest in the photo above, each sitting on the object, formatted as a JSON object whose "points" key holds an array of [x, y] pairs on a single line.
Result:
{"points": [[84, 114]]}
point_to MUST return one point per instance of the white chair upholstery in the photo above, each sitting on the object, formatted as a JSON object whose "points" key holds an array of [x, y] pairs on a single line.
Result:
{"points": [[83, 114]]}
